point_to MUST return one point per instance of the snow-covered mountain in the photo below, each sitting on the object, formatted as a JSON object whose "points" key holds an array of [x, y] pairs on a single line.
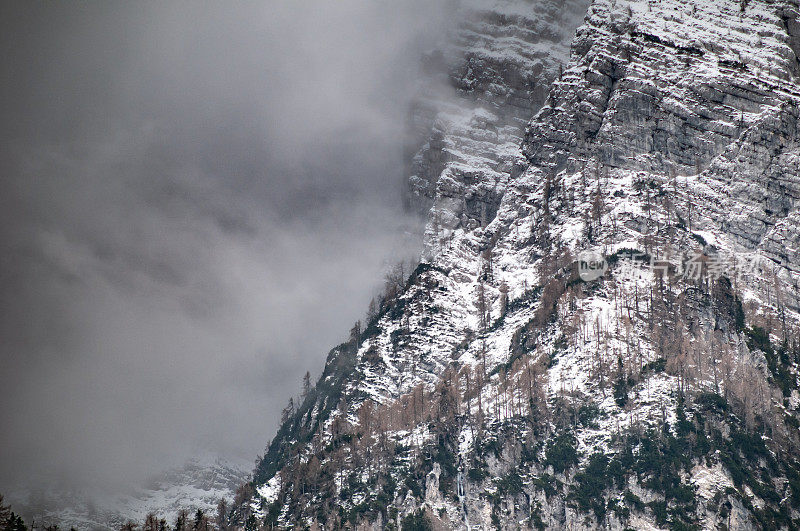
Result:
{"points": [[199, 484], [604, 328]]}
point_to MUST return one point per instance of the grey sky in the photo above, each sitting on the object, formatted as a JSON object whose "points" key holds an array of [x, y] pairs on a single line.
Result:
{"points": [[196, 201]]}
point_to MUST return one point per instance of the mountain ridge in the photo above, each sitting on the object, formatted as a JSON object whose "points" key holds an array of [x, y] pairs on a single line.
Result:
{"points": [[501, 386]]}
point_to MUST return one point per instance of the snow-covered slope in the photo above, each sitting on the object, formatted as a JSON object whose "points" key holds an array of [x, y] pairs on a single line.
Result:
{"points": [[200, 484], [508, 383]]}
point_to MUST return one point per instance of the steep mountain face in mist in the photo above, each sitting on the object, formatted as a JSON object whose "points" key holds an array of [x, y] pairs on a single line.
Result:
{"points": [[509, 383], [482, 86]]}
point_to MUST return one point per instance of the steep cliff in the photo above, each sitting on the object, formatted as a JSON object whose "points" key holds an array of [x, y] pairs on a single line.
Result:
{"points": [[604, 332], [479, 89]]}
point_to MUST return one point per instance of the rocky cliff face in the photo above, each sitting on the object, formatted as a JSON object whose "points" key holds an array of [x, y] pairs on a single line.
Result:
{"points": [[604, 332], [705, 94], [480, 88]]}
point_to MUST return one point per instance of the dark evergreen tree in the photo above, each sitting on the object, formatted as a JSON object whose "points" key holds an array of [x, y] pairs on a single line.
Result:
{"points": [[182, 521], [222, 514]]}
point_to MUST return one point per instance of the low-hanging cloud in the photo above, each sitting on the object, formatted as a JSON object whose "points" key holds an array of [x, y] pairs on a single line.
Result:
{"points": [[196, 202]]}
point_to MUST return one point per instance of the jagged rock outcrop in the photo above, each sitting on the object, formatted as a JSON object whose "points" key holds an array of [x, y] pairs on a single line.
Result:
{"points": [[704, 93], [612, 341], [482, 86]]}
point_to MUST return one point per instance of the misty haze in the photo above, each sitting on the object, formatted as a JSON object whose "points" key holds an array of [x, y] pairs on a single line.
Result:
{"points": [[198, 201], [400, 265]]}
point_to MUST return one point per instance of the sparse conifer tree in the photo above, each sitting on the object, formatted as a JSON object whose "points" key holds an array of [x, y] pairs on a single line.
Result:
{"points": [[182, 521]]}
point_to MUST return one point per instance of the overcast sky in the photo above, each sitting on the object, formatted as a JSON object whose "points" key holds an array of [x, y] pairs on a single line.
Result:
{"points": [[196, 202]]}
